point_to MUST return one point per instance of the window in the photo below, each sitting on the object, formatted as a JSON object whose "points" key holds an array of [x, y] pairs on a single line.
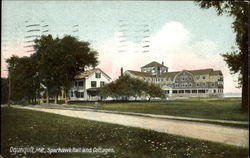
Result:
{"points": [[71, 93], [102, 83], [201, 91], [197, 84], [187, 91], [204, 77], [93, 84], [197, 77], [204, 84], [174, 91], [80, 83], [190, 84], [194, 91], [81, 94], [77, 94], [214, 90], [212, 84], [181, 91], [76, 83], [97, 75], [189, 78]]}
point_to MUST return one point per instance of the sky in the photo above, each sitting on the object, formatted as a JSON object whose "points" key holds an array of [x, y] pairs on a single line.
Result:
{"points": [[127, 34]]}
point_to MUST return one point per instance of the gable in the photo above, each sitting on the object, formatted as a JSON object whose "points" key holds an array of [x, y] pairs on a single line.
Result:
{"points": [[91, 72]]}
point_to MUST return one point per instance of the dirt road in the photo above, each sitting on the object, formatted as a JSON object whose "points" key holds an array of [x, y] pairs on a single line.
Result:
{"points": [[205, 131]]}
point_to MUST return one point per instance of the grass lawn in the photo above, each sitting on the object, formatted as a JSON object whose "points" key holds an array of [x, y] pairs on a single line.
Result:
{"points": [[26, 128], [214, 108]]}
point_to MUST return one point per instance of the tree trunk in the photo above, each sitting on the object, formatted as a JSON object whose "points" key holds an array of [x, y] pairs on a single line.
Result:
{"points": [[66, 97], [47, 97], [245, 69], [55, 100], [244, 102]]}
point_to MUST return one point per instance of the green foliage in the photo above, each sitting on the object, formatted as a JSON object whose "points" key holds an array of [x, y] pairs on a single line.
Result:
{"points": [[126, 86], [4, 90], [237, 60], [239, 11], [54, 65], [23, 78], [155, 91]]}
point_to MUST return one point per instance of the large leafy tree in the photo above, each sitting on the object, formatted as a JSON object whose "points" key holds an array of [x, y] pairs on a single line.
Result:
{"points": [[237, 60], [75, 56], [60, 60], [126, 86], [24, 83], [48, 61]]}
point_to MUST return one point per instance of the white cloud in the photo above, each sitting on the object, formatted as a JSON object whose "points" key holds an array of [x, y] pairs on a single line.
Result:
{"points": [[171, 44]]}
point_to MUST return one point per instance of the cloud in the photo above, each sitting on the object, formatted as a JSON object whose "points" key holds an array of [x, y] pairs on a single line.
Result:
{"points": [[173, 45]]}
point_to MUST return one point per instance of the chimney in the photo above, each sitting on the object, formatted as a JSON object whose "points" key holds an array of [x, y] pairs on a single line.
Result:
{"points": [[121, 71], [162, 63]]}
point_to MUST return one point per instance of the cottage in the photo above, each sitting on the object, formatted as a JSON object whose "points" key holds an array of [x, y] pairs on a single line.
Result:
{"points": [[85, 85]]}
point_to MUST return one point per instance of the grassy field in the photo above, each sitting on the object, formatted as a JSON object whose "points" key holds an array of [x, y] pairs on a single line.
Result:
{"points": [[217, 108], [25, 128]]}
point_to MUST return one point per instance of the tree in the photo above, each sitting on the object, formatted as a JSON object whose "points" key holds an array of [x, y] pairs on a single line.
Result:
{"points": [[60, 60], [24, 85], [76, 56], [47, 58], [237, 60], [125, 87], [12, 62], [139, 87], [154, 91], [4, 90]]}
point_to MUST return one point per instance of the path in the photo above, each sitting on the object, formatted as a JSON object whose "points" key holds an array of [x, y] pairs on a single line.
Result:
{"points": [[211, 132]]}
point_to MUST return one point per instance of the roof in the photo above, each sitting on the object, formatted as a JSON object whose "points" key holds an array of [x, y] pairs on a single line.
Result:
{"points": [[147, 74], [141, 74], [153, 64], [88, 73], [201, 71], [172, 74], [216, 72], [85, 74], [169, 74]]}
